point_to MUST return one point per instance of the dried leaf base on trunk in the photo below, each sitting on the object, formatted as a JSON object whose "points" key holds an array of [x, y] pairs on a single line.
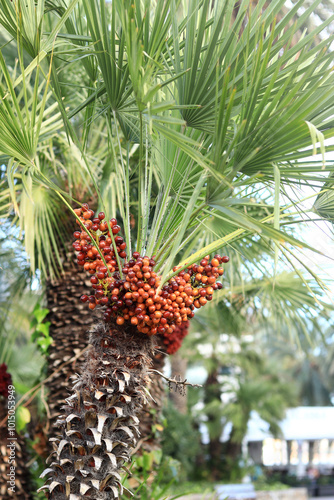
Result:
{"points": [[100, 425], [66, 311]]}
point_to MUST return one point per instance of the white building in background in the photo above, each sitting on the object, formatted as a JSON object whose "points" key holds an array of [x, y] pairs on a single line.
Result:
{"points": [[307, 438]]}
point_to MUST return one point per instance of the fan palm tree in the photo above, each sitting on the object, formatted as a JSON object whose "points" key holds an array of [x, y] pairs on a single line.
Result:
{"points": [[310, 365], [18, 366], [284, 306], [206, 119], [48, 245]]}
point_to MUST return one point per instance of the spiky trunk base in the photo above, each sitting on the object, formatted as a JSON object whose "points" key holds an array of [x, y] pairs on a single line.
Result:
{"points": [[66, 311], [100, 425]]}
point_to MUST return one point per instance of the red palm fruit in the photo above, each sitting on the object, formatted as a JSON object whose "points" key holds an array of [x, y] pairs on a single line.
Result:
{"points": [[136, 295]]}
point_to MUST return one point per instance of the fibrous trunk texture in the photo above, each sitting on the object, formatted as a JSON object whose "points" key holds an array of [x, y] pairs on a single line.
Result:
{"points": [[213, 393], [67, 312], [70, 319], [100, 426], [233, 447], [16, 451]]}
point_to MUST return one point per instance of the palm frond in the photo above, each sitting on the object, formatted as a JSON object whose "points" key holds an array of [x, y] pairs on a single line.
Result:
{"points": [[182, 96]]}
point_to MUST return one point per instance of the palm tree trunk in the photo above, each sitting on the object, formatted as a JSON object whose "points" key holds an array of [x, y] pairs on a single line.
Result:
{"points": [[70, 320], [69, 314], [233, 448], [100, 426], [212, 393]]}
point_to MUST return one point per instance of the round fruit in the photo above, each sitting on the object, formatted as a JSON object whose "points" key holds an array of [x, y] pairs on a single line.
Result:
{"points": [[136, 298]]}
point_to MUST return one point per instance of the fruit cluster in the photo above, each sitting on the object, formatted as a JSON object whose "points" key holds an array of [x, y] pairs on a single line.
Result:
{"points": [[174, 340], [5, 380], [137, 297]]}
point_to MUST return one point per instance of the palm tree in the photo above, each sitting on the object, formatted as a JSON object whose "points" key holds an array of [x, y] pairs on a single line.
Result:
{"points": [[207, 130], [20, 366], [48, 243], [310, 365], [240, 378], [264, 393]]}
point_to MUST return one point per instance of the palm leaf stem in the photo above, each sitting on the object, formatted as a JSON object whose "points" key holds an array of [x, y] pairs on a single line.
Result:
{"points": [[141, 187]]}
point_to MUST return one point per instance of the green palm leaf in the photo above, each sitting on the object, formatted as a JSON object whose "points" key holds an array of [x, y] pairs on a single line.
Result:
{"points": [[203, 96]]}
